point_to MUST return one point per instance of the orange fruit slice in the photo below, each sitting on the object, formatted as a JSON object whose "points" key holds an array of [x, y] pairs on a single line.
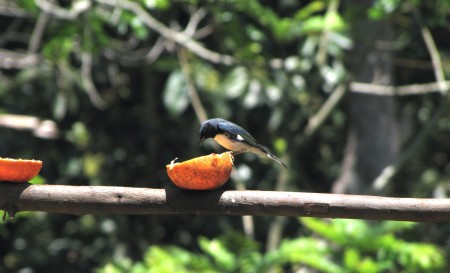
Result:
{"points": [[18, 170], [201, 173]]}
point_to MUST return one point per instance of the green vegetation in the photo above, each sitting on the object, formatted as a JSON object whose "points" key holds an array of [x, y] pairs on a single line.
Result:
{"points": [[336, 246]]}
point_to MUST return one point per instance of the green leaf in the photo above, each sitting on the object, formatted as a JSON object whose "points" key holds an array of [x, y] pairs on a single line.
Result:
{"points": [[313, 24], [110, 268], [282, 29], [79, 135], [331, 22], [322, 228], [351, 258], [92, 163], [310, 9], [280, 145], [60, 105], [217, 250], [139, 28], [334, 21], [253, 96], [368, 265], [29, 5], [309, 251], [175, 97], [37, 180], [157, 4], [235, 82], [382, 8], [58, 48], [206, 77]]}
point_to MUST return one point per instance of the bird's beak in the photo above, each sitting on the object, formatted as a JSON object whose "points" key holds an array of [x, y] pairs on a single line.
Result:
{"points": [[201, 141]]}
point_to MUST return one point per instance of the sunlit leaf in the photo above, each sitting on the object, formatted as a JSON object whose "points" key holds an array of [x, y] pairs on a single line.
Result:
{"points": [[59, 48], [313, 24], [341, 40], [253, 96], [331, 22], [308, 251], [334, 21], [175, 95], [206, 77], [368, 265], [273, 93], [235, 82], [310, 9], [37, 180], [29, 5], [139, 28], [79, 134], [382, 8], [221, 255], [60, 105], [157, 4], [351, 258], [92, 164], [280, 145]]}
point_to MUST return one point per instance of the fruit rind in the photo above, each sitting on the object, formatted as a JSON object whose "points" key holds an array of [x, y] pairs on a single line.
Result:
{"points": [[201, 173], [18, 170]]}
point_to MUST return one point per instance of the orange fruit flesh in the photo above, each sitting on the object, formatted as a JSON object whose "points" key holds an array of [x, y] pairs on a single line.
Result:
{"points": [[18, 170], [201, 173]]}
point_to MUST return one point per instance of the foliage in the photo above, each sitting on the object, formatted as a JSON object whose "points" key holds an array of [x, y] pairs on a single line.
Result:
{"points": [[376, 248], [341, 246]]}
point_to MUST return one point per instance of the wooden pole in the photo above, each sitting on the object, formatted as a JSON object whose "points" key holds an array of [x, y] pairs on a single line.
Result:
{"points": [[79, 200]]}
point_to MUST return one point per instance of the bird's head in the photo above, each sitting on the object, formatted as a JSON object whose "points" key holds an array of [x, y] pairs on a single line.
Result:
{"points": [[208, 130]]}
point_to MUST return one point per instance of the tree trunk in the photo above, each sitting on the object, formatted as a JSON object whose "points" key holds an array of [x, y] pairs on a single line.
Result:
{"points": [[373, 140]]}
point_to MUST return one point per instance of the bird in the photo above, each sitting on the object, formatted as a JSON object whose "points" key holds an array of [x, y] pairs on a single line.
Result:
{"points": [[233, 137]]}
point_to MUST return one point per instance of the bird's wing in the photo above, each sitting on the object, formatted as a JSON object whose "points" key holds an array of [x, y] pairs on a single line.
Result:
{"points": [[237, 133]]}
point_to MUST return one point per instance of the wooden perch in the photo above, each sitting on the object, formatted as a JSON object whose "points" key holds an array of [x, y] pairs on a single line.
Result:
{"points": [[15, 197]]}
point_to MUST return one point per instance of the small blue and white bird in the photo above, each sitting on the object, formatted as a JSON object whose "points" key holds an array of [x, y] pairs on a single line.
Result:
{"points": [[233, 137]]}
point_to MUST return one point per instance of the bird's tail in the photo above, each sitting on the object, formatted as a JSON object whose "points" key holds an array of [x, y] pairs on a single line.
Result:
{"points": [[271, 156]]}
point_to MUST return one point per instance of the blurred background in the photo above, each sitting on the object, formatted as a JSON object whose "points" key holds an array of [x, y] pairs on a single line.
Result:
{"points": [[352, 95]]}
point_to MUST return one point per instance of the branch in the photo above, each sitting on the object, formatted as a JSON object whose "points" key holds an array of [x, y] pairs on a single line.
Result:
{"points": [[194, 21], [79, 200], [389, 171], [321, 56], [178, 37], [14, 60], [77, 8], [442, 86], [330, 104], [130, 58], [88, 82], [404, 90], [434, 53], [192, 91], [156, 50], [47, 129], [11, 9], [38, 31]]}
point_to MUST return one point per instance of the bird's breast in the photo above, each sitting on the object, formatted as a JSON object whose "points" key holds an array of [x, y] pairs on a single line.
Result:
{"points": [[229, 143]]}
